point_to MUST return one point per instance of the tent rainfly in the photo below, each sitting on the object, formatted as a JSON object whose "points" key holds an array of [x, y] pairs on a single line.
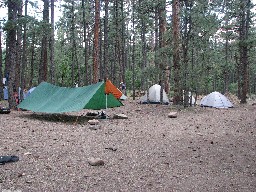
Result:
{"points": [[48, 98], [216, 100], [153, 95]]}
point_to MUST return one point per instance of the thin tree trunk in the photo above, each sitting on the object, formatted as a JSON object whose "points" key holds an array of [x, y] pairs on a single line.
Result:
{"points": [[106, 43], [143, 48], [185, 47], [43, 69], [32, 60], [243, 47], [122, 42], [133, 50], [52, 63], [1, 67], [96, 42], [72, 41], [156, 41], [24, 52], [19, 49], [85, 25]]}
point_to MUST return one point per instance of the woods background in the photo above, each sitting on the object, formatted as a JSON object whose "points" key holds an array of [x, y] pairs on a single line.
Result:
{"points": [[191, 45]]}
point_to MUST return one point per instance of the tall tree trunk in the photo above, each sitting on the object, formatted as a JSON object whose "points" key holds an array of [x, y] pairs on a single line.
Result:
{"points": [[164, 67], [133, 50], [185, 47], [122, 42], [143, 48], [11, 57], [156, 23], [19, 49], [1, 67], [85, 25], [96, 42], [24, 52], [75, 64], [43, 68], [32, 61], [243, 46], [176, 48], [52, 63], [106, 43]]}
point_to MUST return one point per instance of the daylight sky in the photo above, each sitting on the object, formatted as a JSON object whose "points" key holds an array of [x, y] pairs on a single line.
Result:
{"points": [[57, 13]]}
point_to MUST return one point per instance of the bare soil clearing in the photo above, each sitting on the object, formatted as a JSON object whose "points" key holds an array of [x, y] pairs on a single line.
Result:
{"points": [[203, 149]]}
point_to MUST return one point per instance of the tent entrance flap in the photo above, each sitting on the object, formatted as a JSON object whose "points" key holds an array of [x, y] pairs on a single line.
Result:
{"points": [[49, 98]]}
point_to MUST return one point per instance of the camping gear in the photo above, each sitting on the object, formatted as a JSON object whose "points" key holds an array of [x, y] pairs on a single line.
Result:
{"points": [[49, 98], [216, 100], [4, 110], [8, 159], [5, 93], [153, 95]]}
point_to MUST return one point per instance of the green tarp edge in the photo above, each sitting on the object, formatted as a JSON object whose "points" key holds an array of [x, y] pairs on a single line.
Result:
{"points": [[48, 98]]}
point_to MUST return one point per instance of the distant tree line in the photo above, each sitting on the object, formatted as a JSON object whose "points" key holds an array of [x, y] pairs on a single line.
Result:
{"points": [[184, 45]]}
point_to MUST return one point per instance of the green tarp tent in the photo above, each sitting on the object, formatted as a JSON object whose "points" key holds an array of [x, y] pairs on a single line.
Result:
{"points": [[48, 98]]}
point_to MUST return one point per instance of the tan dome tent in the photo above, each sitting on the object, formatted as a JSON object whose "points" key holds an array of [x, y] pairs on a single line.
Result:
{"points": [[153, 95], [217, 100]]}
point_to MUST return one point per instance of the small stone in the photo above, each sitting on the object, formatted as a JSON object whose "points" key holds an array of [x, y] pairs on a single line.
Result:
{"points": [[28, 153], [172, 115], [93, 122], [94, 127], [95, 161], [120, 116]]}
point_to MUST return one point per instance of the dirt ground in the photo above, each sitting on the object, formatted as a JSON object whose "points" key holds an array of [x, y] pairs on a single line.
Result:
{"points": [[203, 149]]}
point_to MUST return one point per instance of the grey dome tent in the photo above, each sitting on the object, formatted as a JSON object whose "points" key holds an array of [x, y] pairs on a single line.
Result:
{"points": [[153, 95], [216, 100]]}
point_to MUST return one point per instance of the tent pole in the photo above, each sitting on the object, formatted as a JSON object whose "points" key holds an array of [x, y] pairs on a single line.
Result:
{"points": [[106, 101]]}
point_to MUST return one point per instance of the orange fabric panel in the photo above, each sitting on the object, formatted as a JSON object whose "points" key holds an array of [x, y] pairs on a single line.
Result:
{"points": [[110, 88]]}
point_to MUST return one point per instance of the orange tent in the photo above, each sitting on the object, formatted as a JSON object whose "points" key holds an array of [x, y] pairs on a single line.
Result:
{"points": [[110, 88]]}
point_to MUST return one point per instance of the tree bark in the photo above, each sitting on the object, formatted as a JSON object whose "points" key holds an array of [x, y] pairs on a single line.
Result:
{"points": [[19, 48], [85, 25], [52, 41], [24, 52], [1, 67], [106, 43], [32, 61], [143, 48], [11, 57], [176, 55], [243, 47], [43, 69], [96, 42]]}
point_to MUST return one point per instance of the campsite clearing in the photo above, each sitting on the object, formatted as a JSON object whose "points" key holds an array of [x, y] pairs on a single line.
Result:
{"points": [[203, 149]]}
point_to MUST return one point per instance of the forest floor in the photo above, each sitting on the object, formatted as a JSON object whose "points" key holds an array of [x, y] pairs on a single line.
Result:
{"points": [[203, 149]]}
